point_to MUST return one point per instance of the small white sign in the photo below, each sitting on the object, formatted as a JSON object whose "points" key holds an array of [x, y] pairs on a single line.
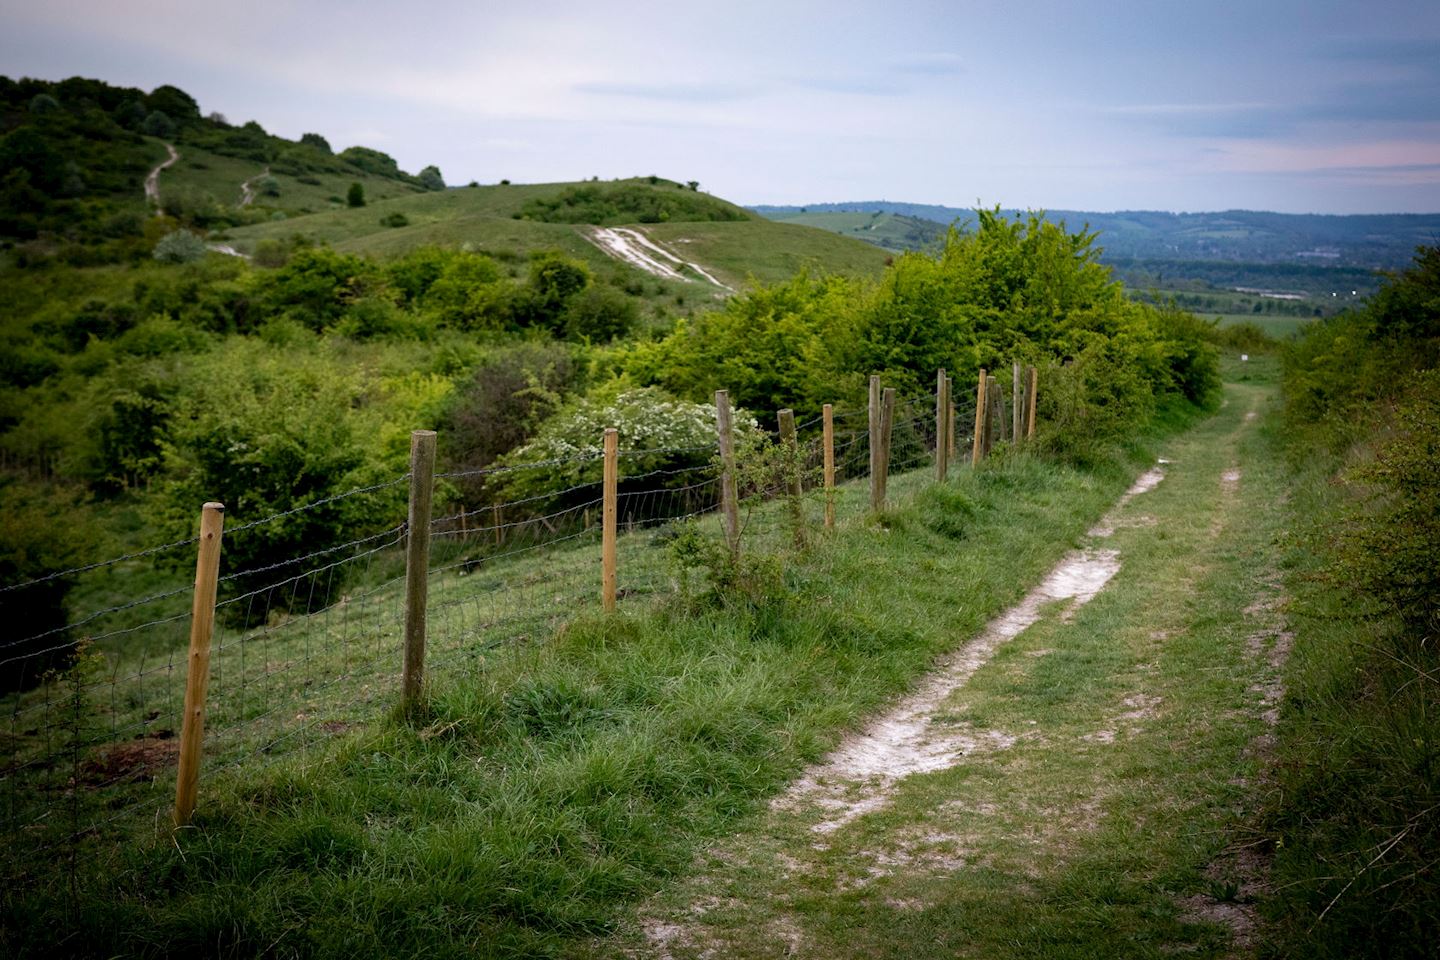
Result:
{"points": [[1244, 357]]}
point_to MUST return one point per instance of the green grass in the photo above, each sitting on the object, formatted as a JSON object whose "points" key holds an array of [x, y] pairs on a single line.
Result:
{"points": [[1114, 823], [1279, 327], [200, 172], [483, 217], [558, 778]]}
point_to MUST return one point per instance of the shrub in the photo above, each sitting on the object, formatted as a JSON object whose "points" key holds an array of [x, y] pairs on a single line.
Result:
{"points": [[355, 196], [431, 179], [599, 314], [396, 219], [504, 401], [266, 433], [180, 246], [270, 187], [657, 432]]}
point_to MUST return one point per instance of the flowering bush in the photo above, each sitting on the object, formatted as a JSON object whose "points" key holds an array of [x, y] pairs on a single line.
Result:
{"points": [[657, 432]]}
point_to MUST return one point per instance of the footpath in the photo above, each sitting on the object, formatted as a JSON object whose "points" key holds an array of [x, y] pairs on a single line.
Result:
{"points": [[1073, 782]]}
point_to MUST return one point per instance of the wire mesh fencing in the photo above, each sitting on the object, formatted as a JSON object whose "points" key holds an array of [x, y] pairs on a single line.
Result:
{"points": [[307, 643]]}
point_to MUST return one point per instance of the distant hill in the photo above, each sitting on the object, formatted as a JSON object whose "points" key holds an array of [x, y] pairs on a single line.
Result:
{"points": [[1373, 241]]}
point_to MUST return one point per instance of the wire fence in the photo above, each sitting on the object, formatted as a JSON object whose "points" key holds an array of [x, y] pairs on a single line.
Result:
{"points": [[307, 647]]}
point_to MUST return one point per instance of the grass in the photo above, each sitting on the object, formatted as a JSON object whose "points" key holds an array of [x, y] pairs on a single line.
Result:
{"points": [[554, 781], [1111, 821], [1279, 327], [484, 218], [202, 172]]}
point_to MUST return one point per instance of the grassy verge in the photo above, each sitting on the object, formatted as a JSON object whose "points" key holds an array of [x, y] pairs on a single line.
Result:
{"points": [[1100, 808], [551, 784], [1356, 806]]}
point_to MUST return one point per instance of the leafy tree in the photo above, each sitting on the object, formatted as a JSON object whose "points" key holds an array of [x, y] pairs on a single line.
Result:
{"points": [[174, 103], [371, 161], [130, 114], [43, 103], [158, 124], [316, 141], [430, 178], [270, 187], [355, 196]]}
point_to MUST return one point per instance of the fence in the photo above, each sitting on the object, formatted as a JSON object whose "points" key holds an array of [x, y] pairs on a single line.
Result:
{"points": [[283, 656]]}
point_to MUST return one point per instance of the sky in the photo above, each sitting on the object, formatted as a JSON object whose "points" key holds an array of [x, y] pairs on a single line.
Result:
{"points": [[1298, 107]]}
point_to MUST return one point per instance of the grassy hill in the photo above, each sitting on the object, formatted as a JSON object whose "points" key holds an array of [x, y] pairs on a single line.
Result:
{"points": [[892, 231], [501, 220]]}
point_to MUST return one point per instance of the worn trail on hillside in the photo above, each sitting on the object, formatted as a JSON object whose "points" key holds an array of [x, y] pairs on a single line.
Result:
{"points": [[632, 246], [152, 180], [1087, 737]]}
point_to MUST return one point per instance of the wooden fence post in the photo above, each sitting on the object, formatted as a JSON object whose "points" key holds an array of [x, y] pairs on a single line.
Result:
{"points": [[792, 474], [887, 424], [1017, 404], [197, 677], [877, 486], [609, 517], [1030, 406], [728, 494], [995, 410], [828, 439], [417, 562], [950, 392], [942, 415], [980, 403]]}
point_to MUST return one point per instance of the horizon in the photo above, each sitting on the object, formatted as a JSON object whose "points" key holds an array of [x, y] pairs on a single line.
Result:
{"points": [[1290, 107]]}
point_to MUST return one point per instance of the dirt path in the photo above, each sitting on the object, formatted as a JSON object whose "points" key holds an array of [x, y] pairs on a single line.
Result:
{"points": [[247, 188], [152, 180], [1068, 782], [632, 246]]}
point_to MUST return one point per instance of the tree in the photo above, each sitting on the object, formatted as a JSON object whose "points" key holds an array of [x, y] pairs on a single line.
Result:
{"points": [[158, 124], [430, 178], [270, 187], [355, 196], [43, 103], [316, 141]]}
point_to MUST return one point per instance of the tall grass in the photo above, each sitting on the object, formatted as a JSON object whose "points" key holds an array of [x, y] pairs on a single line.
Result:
{"points": [[553, 783]]}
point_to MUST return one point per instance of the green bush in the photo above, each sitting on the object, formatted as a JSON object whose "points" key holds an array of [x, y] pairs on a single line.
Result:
{"points": [[266, 433], [627, 203], [180, 246], [657, 432], [431, 179], [396, 219], [355, 196]]}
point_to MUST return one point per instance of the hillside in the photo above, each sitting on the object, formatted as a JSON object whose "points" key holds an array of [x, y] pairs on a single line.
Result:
{"points": [[76, 154], [507, 221]]}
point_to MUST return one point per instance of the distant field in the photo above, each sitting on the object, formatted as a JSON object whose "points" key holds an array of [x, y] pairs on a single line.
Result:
{"points": [[1278, 327]]}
